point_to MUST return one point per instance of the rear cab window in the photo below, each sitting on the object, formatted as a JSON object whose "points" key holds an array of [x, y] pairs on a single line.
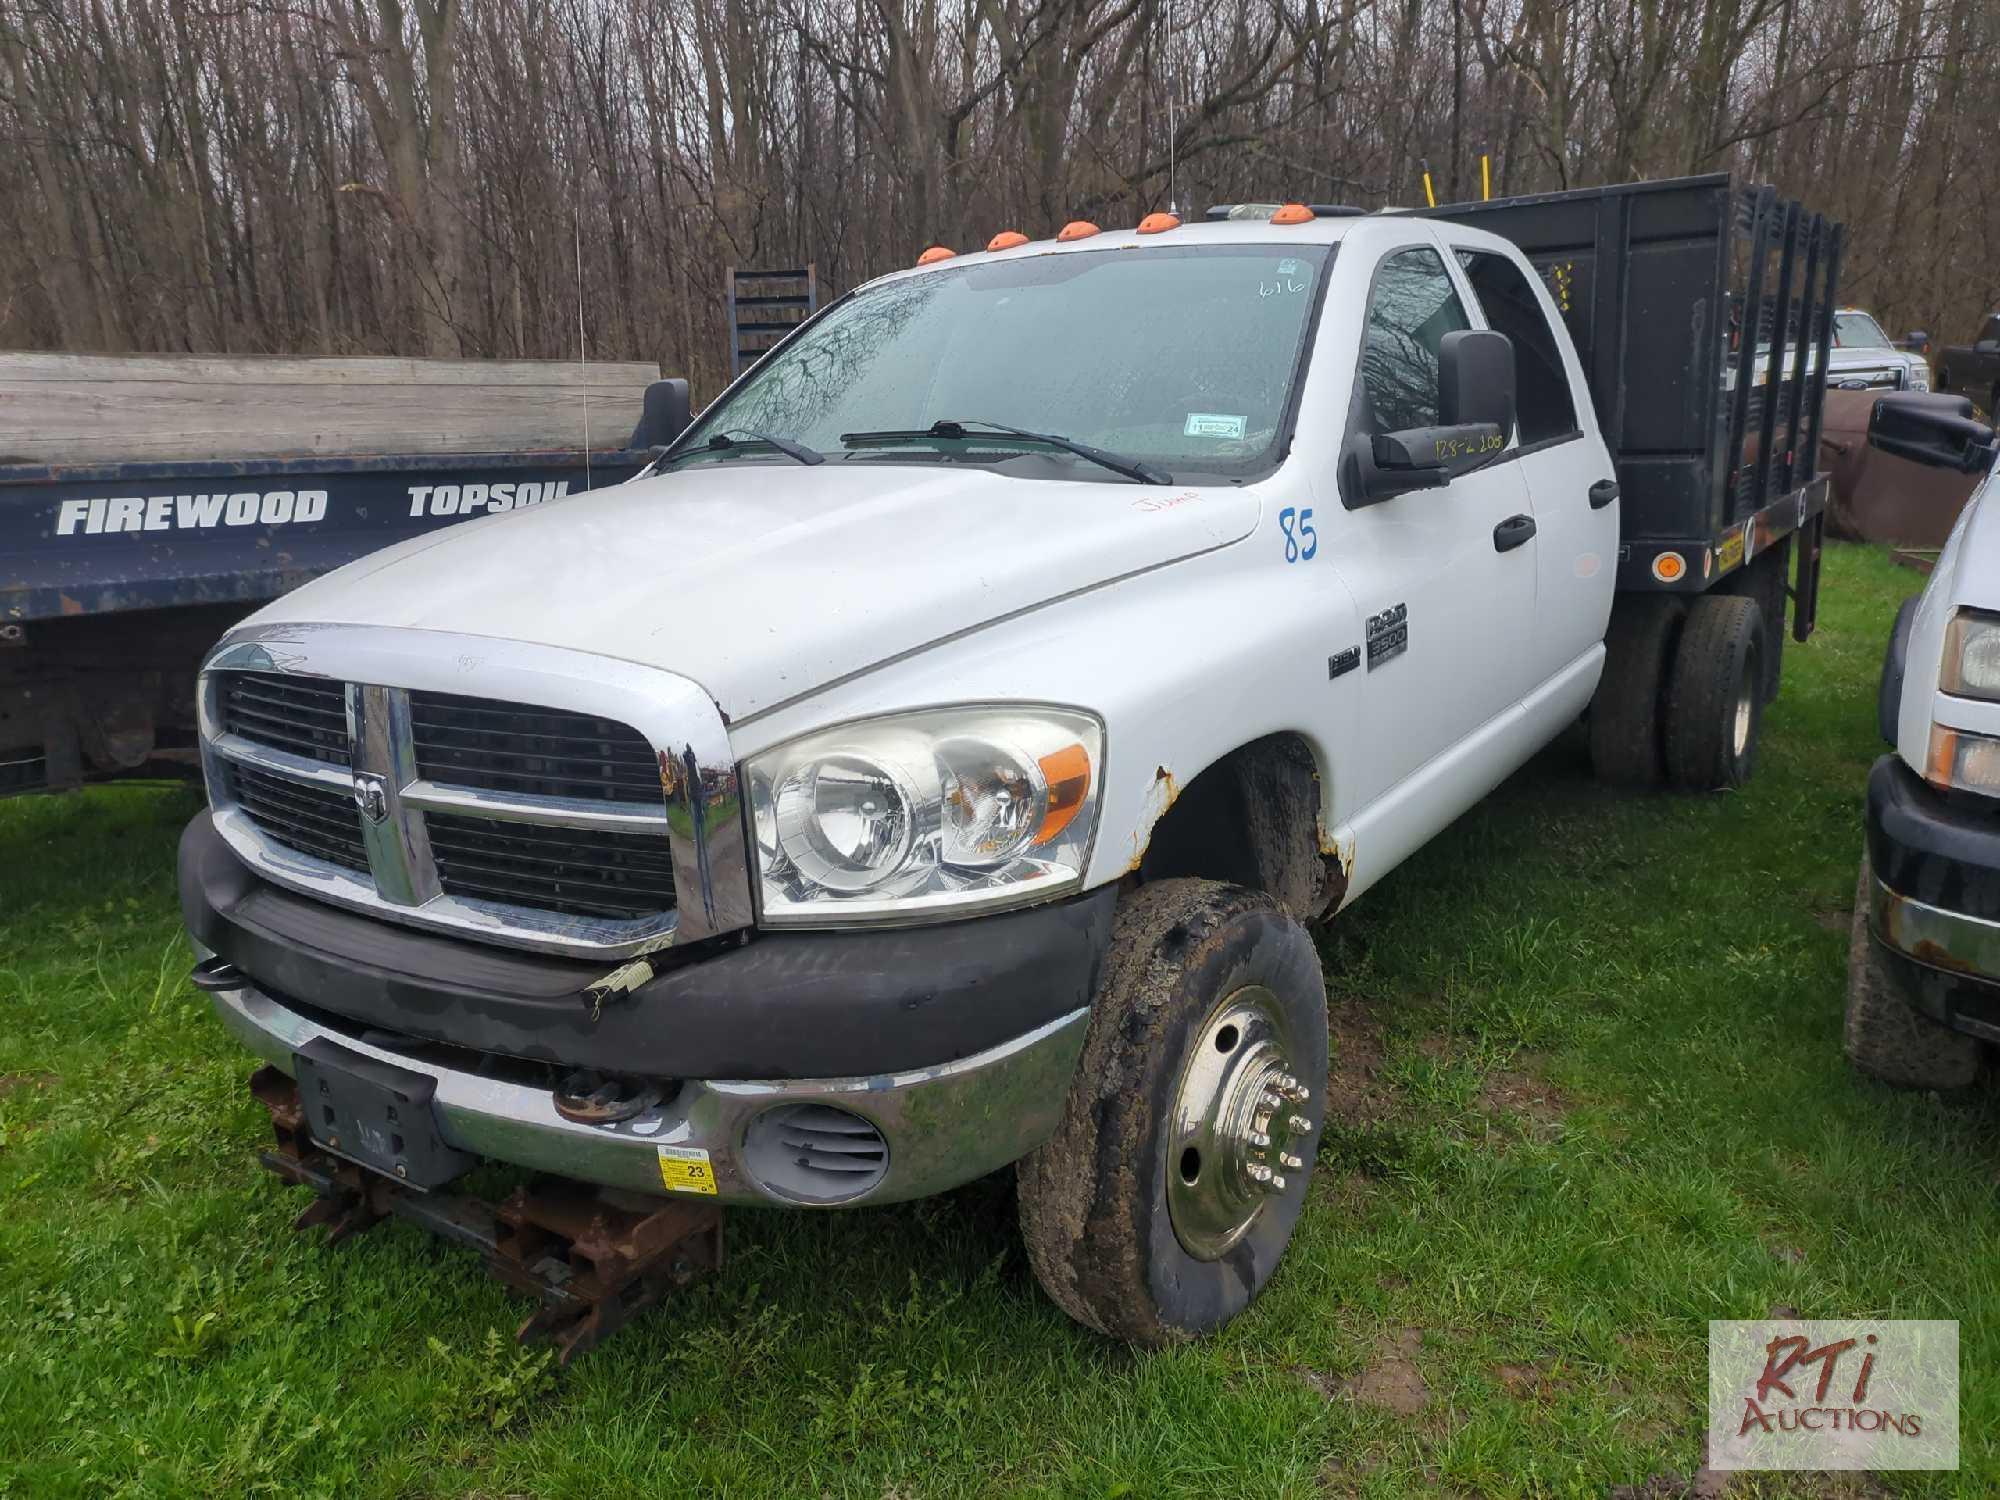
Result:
{"points": [[1545, 409]]}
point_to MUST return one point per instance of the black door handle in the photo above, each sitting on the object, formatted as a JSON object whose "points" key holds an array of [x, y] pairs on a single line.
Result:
{"points": [[1603, 493], [1512, 533]]}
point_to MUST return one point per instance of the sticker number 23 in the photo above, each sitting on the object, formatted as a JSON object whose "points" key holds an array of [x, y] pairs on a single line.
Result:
{"points": [[1302, 543]]}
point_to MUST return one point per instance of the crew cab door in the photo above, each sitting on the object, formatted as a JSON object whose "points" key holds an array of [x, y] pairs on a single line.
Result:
{"points": [[1444, 578], [1561, 458]]}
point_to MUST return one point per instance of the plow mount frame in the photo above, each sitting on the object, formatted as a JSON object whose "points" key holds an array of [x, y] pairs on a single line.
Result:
{"points": [[594, 1257]]}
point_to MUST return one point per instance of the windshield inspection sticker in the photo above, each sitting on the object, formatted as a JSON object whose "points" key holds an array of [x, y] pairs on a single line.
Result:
{"points": [[685, 1169], [1213, 424]]}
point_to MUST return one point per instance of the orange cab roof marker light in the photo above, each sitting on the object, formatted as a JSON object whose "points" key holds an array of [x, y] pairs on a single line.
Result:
{"points": [[1007, 239], [1293, 213], [1077, 229], [1159, 223], [935, 254]]}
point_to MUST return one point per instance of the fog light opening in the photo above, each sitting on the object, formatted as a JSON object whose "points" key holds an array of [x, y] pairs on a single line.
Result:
{"points": [[815, 1153]]}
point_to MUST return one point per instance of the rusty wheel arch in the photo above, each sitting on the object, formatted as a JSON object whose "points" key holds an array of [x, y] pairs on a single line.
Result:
{"points": [[1253, 818]]}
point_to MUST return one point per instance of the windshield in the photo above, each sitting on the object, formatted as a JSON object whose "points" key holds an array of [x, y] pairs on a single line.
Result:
{"points": [[1856, 330], [1179, 357]]}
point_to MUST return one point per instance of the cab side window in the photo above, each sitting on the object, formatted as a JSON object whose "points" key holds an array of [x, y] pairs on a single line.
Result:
{"points": [[1543, 407], [1990, 332], [1410, 309]]}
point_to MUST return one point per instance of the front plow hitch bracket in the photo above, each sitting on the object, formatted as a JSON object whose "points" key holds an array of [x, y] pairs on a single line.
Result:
{"points": [[593, 1256]]}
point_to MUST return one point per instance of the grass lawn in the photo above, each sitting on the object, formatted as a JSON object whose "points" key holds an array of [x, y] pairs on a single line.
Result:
{"points": [[1589, 1094]]}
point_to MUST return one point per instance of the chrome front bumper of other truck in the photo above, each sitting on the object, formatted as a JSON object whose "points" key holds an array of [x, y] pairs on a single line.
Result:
{"points": [[942, 1126]]}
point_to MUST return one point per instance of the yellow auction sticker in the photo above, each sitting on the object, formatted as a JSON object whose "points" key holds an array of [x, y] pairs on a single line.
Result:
{"points": [[685, 1169]]}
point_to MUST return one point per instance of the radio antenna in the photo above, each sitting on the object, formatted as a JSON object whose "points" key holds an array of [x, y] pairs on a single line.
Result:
{"points": [[582, 348]]}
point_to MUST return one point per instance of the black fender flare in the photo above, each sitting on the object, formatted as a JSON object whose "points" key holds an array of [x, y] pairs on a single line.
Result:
{"points": [[1889, 696]]}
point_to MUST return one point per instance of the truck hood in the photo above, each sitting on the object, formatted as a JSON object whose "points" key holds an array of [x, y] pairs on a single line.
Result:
{"points": [[765, 582], [1970, 568]]}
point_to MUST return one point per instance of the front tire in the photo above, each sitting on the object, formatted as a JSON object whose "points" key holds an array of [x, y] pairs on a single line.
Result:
{"points": [[1887, 1037], [1162, 1204]]}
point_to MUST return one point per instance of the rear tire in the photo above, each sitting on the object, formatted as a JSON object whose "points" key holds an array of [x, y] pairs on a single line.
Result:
{"points": [[1715, 694], [1625, 714], [1886, 1037], [1212, 997], [1764, 579]]}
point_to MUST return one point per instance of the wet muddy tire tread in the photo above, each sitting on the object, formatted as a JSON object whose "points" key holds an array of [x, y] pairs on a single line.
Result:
{"points": [[1722, 640], [1082, 1195], [1885, 1036], [1625, 714]]}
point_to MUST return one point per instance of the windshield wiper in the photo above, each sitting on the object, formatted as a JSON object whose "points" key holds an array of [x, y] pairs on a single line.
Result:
{"points": [[750, 438], [951, 429]]}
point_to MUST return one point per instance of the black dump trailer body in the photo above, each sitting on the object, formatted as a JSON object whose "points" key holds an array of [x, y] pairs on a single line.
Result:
{"points": [[1702, 312]]}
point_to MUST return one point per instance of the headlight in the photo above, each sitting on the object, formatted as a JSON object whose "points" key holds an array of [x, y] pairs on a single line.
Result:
{"points": [[1962, 761], [926, 814], [1920, 378], [1972, 655]]}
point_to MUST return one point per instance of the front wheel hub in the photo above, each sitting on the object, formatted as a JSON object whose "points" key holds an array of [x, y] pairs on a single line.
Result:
{"points": [[1240, 1125]]}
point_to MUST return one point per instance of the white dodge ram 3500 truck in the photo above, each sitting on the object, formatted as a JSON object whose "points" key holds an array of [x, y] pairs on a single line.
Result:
{"points": [[932, 764]]}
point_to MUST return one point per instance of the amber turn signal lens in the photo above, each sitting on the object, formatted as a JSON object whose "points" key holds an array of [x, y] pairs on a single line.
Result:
{"points": [[935, 254], [1067, 772], [1007, 239], [1159, 223], [1293, 213], [1942, 762], [1077, 229]]}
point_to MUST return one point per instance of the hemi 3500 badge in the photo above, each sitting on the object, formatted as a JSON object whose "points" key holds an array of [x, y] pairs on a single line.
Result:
{"points": [[1387, 634]]}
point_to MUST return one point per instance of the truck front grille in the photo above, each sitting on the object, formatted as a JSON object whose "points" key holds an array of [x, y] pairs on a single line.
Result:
{"points": [[587, 873], [512, 821], [541, 752], [304, 715], [304, 816]]}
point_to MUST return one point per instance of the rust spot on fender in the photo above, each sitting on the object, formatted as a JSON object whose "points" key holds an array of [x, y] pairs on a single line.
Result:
{"points": [[1161, 795], [1337, 855]]}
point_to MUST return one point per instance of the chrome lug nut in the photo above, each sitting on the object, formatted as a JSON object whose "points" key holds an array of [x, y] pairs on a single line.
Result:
{"points": [[1276, 1184], [1300, 1125], [1259, 1172], [1259, 1140]]}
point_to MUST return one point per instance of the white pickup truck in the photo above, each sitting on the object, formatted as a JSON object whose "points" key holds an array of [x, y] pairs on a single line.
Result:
{"points": [[933, 763], [1923, 983]]}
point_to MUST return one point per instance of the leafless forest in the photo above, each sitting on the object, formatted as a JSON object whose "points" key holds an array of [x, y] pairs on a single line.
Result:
{"points": [[438, 177]]}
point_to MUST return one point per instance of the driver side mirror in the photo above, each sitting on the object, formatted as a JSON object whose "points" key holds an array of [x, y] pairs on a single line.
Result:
{"points": [[1937, 431], [1918, 341], [1475, 419], [665, 415]]}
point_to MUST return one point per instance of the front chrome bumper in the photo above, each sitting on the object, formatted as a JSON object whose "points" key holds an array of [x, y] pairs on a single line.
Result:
{"points": [[1950, 942], [944, 1125]]}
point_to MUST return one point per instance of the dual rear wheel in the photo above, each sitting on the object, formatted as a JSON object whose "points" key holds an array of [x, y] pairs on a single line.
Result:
{"points": [[1681, 701]]}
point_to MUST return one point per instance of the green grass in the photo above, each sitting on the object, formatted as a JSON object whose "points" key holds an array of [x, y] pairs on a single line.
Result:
{"points": [[1663, 974]]}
